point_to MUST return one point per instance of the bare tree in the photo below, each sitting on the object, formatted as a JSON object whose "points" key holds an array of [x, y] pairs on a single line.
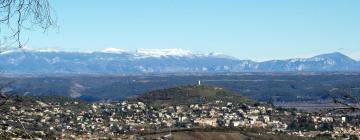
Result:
{"points": [[19, 15]]}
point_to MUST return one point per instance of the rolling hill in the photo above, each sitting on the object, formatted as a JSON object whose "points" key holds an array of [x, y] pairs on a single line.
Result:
{"points": [[185, 95]]}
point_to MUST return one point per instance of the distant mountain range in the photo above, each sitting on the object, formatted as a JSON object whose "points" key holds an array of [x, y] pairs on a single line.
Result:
{"points": [[116, 61]]}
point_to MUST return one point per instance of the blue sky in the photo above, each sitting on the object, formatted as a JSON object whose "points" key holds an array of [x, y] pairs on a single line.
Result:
{"points": [[247, 29]]}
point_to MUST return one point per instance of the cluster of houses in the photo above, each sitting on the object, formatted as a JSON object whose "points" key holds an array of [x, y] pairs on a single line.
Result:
{"points": [[129, 119], [338, 126]]}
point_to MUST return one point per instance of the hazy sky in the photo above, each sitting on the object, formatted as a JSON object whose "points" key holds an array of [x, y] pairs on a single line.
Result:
{"points": [[247, 29]]}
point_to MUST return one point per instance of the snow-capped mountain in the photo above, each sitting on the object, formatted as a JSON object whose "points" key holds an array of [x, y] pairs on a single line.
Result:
{"points": [[163, 52], [117, 61], [325, 62]]}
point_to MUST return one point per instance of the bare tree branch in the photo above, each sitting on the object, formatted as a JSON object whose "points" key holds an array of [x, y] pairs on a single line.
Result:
{"points": [[17, 15]]}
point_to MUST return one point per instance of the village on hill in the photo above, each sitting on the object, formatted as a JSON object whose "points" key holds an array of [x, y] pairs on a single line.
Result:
{"points": [[73, 119]]}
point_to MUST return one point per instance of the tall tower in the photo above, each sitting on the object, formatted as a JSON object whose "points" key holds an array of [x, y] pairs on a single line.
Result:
{"points": [[199, 83]]}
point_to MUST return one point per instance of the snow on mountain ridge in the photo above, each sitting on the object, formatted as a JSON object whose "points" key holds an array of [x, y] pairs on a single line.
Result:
{"points": [[16, 50], [113, 60], [163, 52], [112, 50], [177, 52]]}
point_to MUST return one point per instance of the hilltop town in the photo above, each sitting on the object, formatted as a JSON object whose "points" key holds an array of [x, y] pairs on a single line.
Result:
{"points": [[62, 118]]}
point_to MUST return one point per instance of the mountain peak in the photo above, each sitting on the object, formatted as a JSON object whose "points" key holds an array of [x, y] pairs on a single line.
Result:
{"points": [[335, 56], [112, 50], [163, 52]]}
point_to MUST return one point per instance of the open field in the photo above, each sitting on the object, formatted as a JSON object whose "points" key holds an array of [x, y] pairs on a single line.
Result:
{"points": [[220, 135]]}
